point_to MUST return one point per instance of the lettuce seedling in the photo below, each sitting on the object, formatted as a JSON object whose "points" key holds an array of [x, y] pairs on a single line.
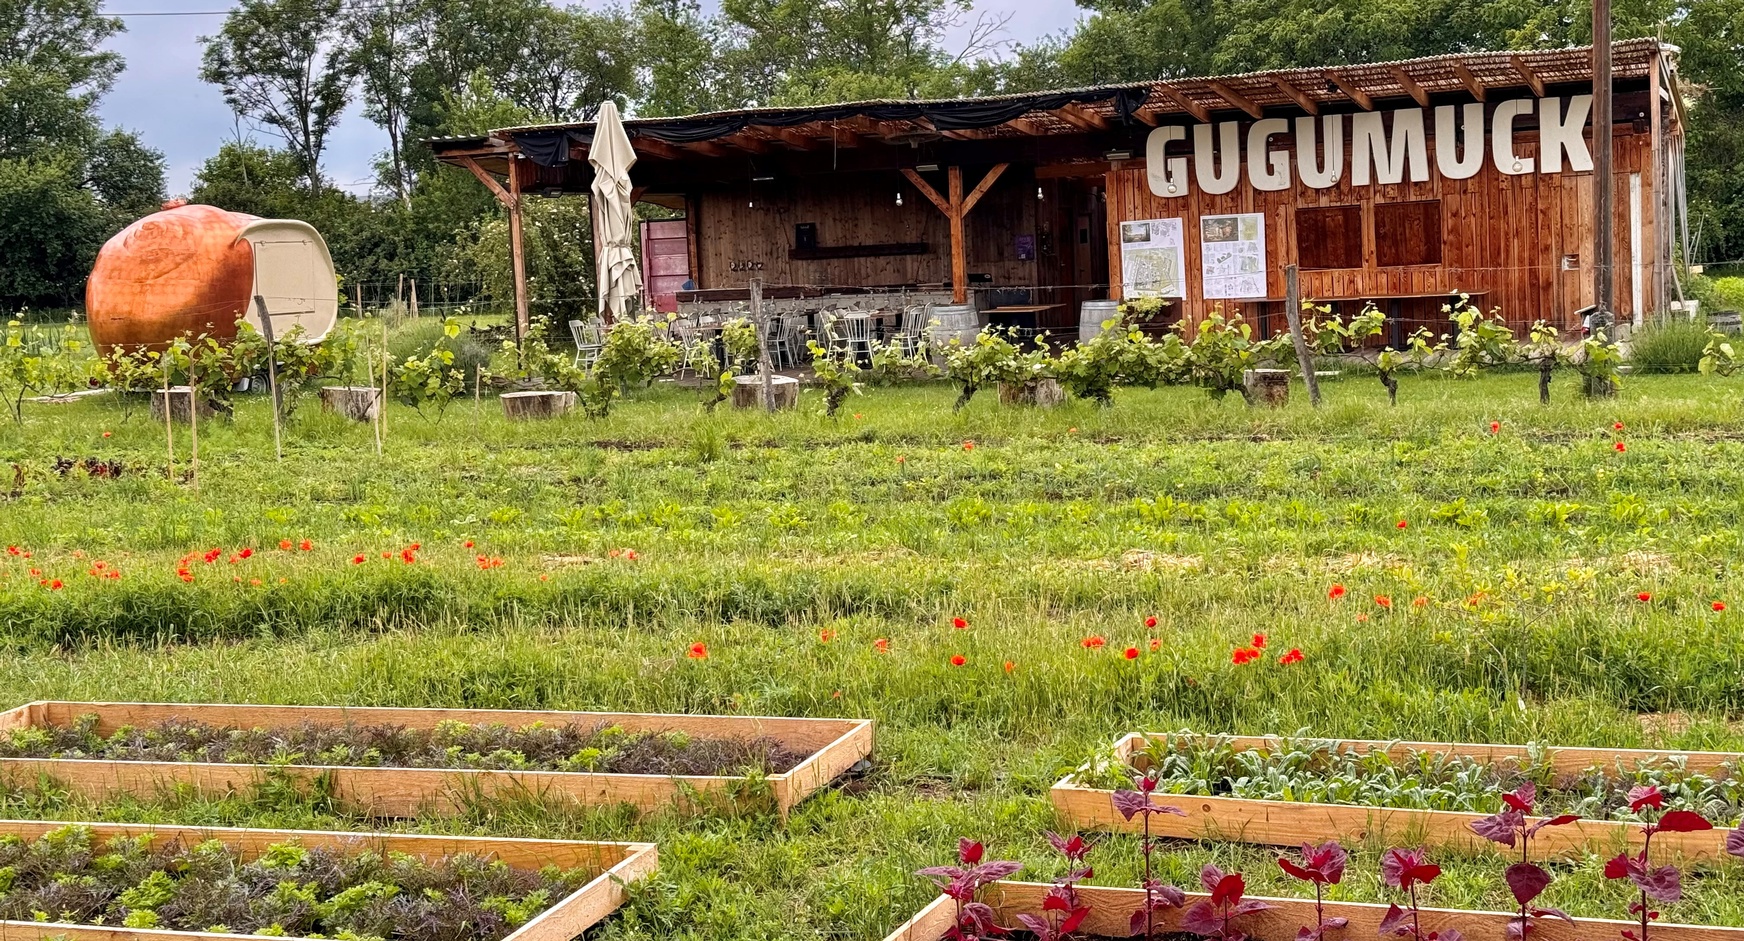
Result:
{"points": [[1211, 918], [1406, 870], [1158, 895], [1526, 879], [1321, 865], [1062, 911], [963, 884], [1661, 884]]}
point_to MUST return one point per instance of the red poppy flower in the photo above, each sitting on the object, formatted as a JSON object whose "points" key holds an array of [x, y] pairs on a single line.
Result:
{"points": [[959, 623], [1294, 656], [1150, 622], [1719, 606], [468, 544], [1072, 430], [1244, 655], [1335, 592], [1093, 642], [387, 555], [1131, 653], [631, 555], [1495, 426], [1362, 619], [698, 651], [1643, 596], [54, 584], [1621, 447], [958, 660], [212, 555], [1419, 601], [357, 560], [245, 553], [255, 582], [1384, 601], [881, 645], [836, 695], [968, 445], [1259, 640], [306, 546], [901, 459], [12, 550], [1156, 645], [407, 557], [1010, 666], [107, 434], [1402, 524], [285, 544], [826, 635], [1618, 426]]}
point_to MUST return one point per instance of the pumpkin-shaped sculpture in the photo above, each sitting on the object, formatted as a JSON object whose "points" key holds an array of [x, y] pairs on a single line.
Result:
{"points": [[195, 271]]}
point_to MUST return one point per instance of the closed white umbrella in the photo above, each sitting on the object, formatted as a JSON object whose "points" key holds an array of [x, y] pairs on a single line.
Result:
{"points": [[614, 231]]}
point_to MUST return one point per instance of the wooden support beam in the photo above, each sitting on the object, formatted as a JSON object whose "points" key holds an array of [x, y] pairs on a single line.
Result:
{"points": [[1199, 112], [649, 147], [707, 148], [1146, 116], [517, 256], [790, 137], [745, 142], [1297, 95], [927, 190], [1028, 126], [1358, 96], [982, 187], [490, 182], [1471, 82], [1081, 117], [1533, 81], [1236, 98], [1410, 86], [959, 251], [839, 135]]}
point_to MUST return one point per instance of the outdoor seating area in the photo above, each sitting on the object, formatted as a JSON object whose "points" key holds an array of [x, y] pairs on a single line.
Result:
{"points": [[843, 324]]}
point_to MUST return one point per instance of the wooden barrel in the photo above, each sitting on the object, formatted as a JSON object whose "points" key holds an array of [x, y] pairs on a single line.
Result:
{"points": [[1092, 315], [955, 320]]}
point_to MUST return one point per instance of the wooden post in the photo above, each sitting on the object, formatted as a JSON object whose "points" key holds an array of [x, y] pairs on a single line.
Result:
{"points": [[375, 416], [516, 256], [169, 430], [193, 426], [959, 251], [381, 412], [1604, 188], [1293, 312], [357, 292], [272, 372], [414, 298], [759, 322]]}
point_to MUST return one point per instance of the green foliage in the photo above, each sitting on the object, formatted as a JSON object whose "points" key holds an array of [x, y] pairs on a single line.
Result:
{"points": [[1599, 363], [635, 353], [430, 381], [993, 359], [36, 362], [891, 365], [1672, 345], [839, 376], [1223, 349], [1119, 356], [1719, 357], [1479, 341]]}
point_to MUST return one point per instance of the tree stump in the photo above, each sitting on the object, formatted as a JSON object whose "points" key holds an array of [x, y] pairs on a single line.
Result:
{"points": [[1043, 393], [358, 403], [1268, 387], [181, 403], [748, 391], [520, 406]]}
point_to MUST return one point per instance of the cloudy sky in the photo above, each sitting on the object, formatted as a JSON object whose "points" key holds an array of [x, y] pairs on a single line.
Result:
{"points": [[160, 95]]}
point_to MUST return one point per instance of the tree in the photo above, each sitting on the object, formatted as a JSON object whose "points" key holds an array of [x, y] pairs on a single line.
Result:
{"points": [[381, 36], [280, 65], [572, 60]]}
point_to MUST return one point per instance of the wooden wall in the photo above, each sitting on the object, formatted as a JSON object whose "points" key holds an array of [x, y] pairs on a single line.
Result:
{"points": [[1502, 234], [755, 223]]}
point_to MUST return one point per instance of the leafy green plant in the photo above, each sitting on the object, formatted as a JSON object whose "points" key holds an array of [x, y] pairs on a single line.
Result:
{"points": [[35, 362], [838, 375], [1480, 341], [993, 359], [1672, 345], [890, 365], [1719, 357], [634, 354], [1543, 351], [1092, 369], [1224, 349], [1141, 309], [1419, 349], [740, 344], [430, 381], [1600, 364]]}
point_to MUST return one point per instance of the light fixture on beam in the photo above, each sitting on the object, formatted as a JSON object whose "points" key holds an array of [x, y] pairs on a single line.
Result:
{"points": [[551, 192], [762, 179], [927, 168], [1118, 155]]}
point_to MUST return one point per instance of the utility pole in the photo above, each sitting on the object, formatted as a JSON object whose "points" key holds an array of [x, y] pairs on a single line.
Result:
{"points": [[1604, 188]]}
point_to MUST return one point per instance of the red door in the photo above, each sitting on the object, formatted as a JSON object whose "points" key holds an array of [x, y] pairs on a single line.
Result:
{"points": [[665, 263]]}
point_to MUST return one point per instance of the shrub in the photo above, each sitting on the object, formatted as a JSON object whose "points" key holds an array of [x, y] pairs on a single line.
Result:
{"points": [[1668, 346], [423, 337]]}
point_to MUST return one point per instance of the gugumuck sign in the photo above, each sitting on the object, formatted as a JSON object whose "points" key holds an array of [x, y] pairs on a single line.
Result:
{"points": [[1385, 147]]}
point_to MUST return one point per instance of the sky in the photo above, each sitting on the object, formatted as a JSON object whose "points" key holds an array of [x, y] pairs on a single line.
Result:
{"points": [[161, 97]]}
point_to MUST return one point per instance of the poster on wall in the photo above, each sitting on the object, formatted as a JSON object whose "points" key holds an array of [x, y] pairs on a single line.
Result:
{"points": [[1232, 255], [1151, 258]]}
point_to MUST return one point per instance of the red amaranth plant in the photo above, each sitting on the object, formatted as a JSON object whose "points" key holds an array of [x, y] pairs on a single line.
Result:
{"points": [[1158, 895], [1321, 865], [1526, 880], [963, 883], [1211, 918], [1664, 883], [1062, 910], [1406, 870]]}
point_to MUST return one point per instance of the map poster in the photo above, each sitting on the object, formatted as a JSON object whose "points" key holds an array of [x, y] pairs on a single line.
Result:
{"points": [[1232, 255], [1152, 258]]}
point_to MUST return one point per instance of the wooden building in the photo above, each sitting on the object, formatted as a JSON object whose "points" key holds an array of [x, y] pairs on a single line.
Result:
{"points": [[1400, 183]]}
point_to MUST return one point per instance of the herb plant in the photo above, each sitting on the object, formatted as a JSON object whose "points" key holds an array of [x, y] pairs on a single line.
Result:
{"points": [[1214, 917], [1655, 884], [1526, 879], [963, 883]]}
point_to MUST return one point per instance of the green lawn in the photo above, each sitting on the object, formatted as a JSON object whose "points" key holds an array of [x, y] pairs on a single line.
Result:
{"points": [[1529, 548]]}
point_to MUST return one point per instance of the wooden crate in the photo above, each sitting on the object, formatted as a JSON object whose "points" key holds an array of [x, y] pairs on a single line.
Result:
{"points": [[1291, 823], [618, 864], [832, 745], [1111, 910]]}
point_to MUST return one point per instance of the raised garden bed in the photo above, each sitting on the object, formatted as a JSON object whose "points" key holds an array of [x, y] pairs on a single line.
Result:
{"points": [[1251, 790], [407, 762], [164, 882], [1111, 911]]}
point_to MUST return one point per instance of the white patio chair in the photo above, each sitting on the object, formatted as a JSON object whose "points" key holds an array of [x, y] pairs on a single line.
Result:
{"points": [[588, 343]]}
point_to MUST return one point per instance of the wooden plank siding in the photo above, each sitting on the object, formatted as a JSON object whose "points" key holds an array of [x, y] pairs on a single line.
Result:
{"points": [[755, 223], [1503, 234]]}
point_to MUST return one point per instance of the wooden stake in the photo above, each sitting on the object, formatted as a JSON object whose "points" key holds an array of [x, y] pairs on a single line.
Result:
{"points": [[357, 292], [272, 372], [193, 428], [169, 429], [369, 363], [759, 322], [1604, 187], [517, 255], [414, 298], [382, 411], [1293, 311]]}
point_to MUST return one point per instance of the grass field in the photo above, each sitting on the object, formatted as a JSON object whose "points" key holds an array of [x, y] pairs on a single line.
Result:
{"points": [[1514, 562]]}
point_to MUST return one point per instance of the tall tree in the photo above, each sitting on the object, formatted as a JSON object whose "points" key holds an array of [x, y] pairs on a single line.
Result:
{"points": [[282, 65], [572, 60], [382, 37]]}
